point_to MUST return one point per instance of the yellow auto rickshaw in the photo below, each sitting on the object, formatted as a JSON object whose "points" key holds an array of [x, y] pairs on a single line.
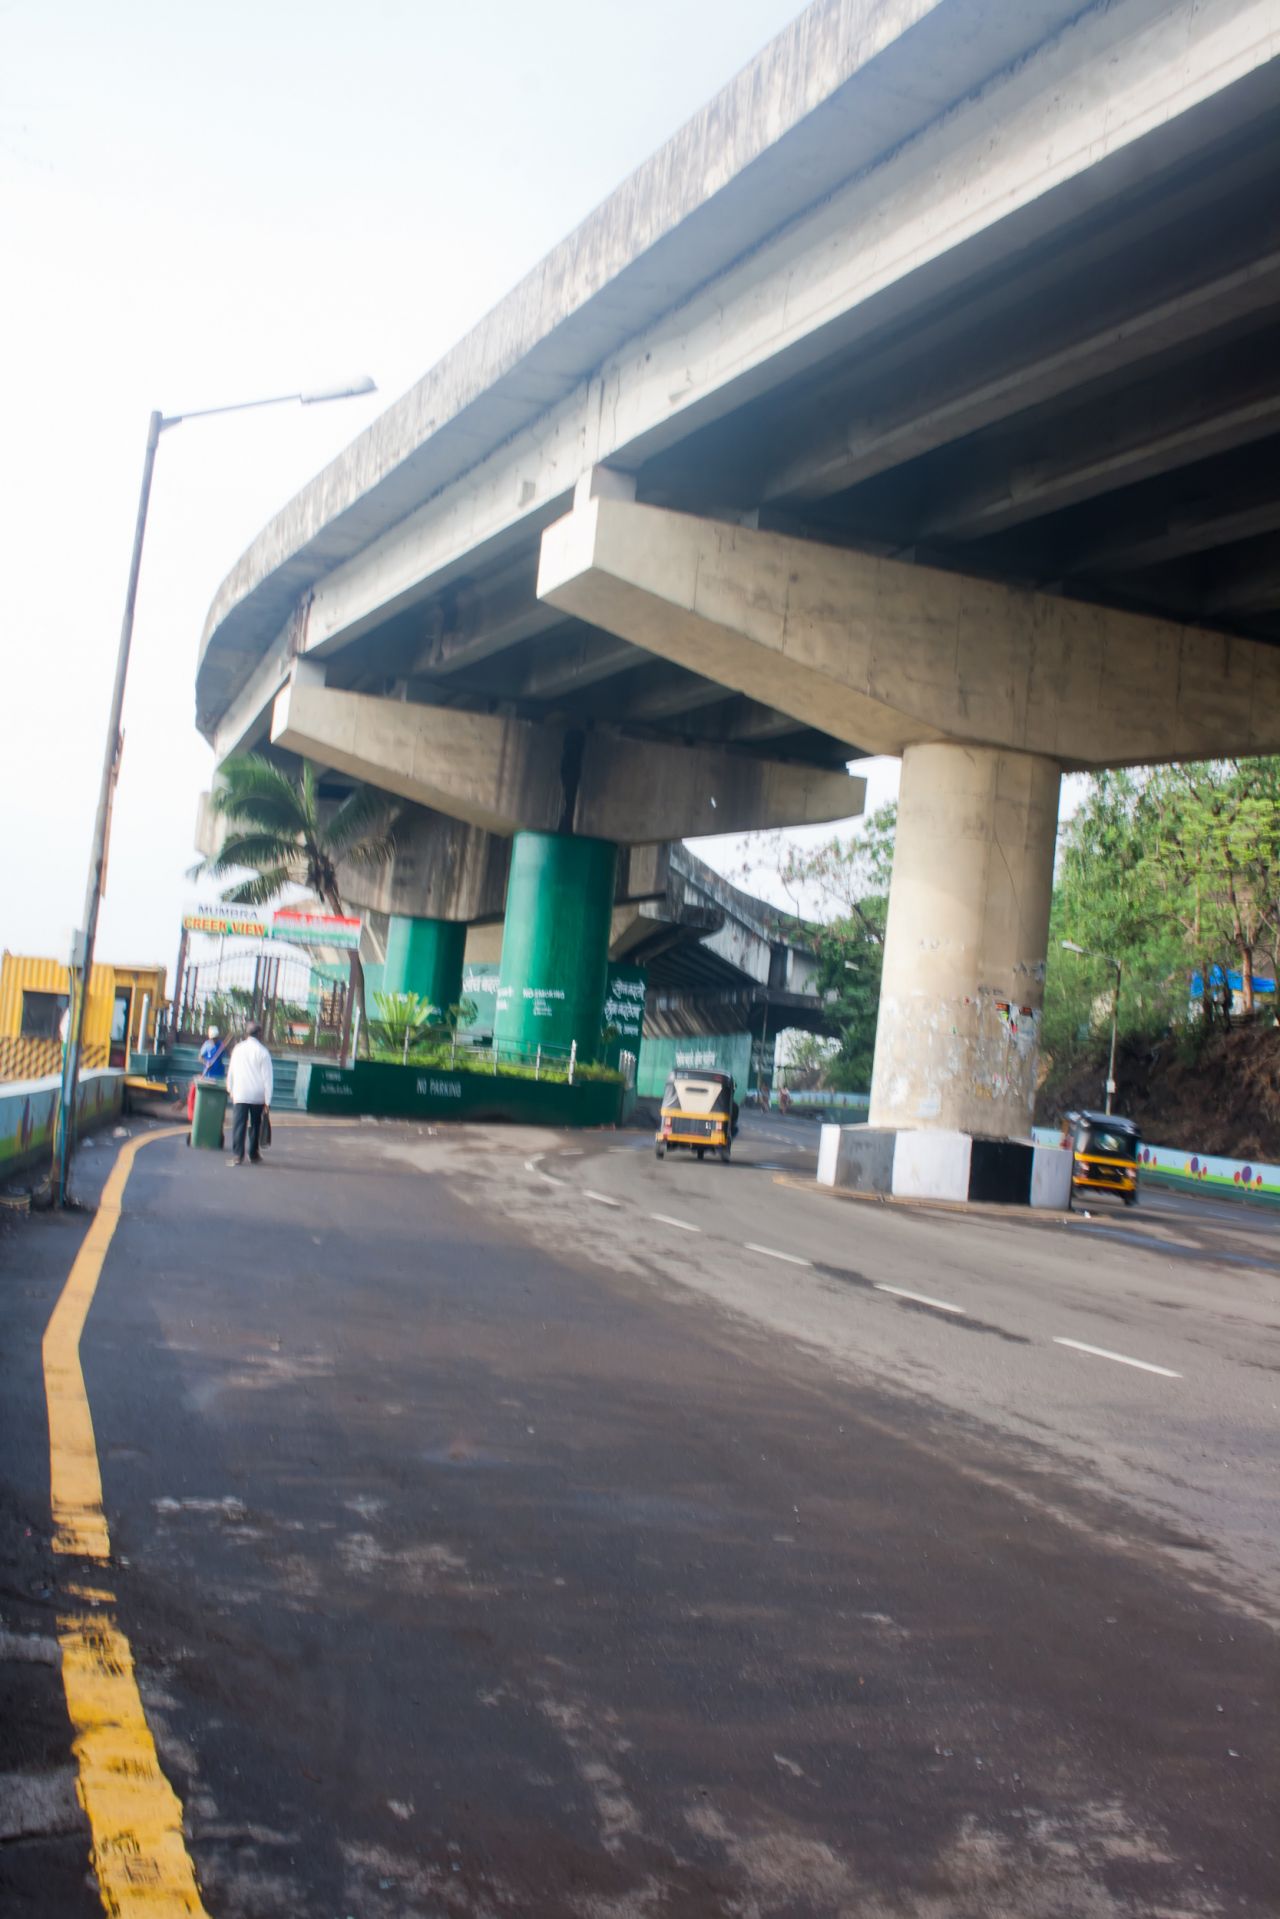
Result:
{"points": [[700, 1113], [1105, 1151]]}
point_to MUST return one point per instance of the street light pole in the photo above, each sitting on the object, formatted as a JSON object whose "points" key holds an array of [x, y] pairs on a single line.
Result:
{"points": [[84, 941], [98, 852], [1115, 1020], [1070, 946]]}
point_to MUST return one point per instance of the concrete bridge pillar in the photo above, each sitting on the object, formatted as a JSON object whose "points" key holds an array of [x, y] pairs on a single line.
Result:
{"points": [[424, 956], [965, 945], [555, 944]]}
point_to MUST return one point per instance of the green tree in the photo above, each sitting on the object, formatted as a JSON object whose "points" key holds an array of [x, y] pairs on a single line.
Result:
{"points": [[1107, 900], [1212, 830], [841, 889], [408, 1027], [1170, 870], [280, 835]]}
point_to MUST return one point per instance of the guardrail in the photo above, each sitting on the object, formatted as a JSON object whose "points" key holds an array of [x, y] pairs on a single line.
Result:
{"points": [[850, 1103]]}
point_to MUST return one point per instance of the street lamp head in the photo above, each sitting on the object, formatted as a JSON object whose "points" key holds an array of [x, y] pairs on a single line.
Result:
{"points": [[345, 390], [315, 396], [1069, 946]]}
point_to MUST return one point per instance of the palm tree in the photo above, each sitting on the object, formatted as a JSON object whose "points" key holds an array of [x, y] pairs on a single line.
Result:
{"points": [[275, 830]]}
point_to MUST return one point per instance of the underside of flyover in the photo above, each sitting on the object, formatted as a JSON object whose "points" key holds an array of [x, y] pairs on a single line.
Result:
{"points": [[1102, 421], [715, 959], [943, 421]]}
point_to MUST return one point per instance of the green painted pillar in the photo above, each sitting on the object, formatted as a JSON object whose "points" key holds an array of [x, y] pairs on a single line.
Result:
{"points": [[555, 943], [425, 957]]}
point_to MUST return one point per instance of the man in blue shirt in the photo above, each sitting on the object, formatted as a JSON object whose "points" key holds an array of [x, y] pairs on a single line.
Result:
{"points": [[213, 1056]]}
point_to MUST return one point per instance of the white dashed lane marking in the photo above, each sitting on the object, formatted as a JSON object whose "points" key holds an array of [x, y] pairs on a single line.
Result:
{"points": [[922, 1299], [1121, 1359], [895, 1292]]}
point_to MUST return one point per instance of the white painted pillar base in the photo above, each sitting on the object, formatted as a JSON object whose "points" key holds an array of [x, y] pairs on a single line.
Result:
{"points": [[958, 1039]]}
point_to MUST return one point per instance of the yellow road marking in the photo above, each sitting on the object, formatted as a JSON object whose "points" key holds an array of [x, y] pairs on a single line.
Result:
{"points": [[139, 1853]]}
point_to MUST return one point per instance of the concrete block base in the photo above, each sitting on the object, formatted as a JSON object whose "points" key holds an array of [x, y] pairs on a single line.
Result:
{"points": [[944, 1165]]}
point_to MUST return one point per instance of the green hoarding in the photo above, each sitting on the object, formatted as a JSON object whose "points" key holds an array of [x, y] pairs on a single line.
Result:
{"points": [[480, 987], [623, 1018], [698, 1052]]}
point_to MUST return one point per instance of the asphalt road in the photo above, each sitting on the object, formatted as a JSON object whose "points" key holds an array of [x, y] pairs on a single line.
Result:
{"points": [[489, 1544], [1183, 1285]]}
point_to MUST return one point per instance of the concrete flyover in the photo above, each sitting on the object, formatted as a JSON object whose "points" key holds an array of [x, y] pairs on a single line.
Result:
{"points": [[921, 396]]}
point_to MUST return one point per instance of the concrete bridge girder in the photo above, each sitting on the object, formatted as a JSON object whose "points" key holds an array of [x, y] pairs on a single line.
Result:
{"points": [[887, 655], [442, 869], [1089, 94], [508, 775]]}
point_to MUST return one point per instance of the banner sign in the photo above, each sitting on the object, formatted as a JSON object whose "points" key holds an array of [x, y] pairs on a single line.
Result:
{"points": [[480, 988], [314, 929], [623, 1020], [285, 923], [241, 921]]}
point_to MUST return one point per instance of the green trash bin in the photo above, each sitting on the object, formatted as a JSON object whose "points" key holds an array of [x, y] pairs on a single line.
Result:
{"points": [[210, 1108]]}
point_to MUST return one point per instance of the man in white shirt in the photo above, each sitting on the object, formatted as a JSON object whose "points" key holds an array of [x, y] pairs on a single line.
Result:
{"points": [[249, 1087]]}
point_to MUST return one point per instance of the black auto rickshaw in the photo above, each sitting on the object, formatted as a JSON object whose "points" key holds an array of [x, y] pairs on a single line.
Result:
{"points": [[699, 1112], [1105, 1150]]}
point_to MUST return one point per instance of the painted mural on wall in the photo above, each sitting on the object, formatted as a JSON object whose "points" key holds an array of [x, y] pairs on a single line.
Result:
{"points": [[1175, 1166], [27, 1114], [1211, 1171]]}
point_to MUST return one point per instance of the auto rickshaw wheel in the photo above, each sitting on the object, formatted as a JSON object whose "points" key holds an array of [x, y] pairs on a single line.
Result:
{"points": [[724, 1155], [1130, 1199], [701, 1151], [659, 1150]]}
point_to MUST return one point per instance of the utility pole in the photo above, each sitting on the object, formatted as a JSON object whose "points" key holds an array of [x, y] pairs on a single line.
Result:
{"points": [[84, 940]]}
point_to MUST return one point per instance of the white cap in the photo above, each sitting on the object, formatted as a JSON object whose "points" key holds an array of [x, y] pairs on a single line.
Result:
{"points": [[213, 1032]]}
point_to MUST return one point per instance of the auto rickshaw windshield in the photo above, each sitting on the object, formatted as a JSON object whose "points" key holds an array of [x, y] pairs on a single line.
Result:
{"points": [[1118, 1144], [688, 1094]]}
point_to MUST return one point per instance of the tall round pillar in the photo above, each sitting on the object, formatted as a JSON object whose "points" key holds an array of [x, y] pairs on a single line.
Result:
{"points": [[424, 956], [555, 943], [968, 929]]}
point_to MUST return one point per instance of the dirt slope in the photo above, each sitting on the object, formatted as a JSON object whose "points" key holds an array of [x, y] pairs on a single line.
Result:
{"points": [[1226, 1101]]}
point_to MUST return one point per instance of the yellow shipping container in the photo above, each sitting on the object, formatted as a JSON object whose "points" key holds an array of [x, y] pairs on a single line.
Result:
{"points": [[33, 997]]}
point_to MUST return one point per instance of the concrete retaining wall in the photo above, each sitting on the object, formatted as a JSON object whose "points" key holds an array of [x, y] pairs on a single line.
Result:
{"points": [[28, 1109], [1175, 1167]]}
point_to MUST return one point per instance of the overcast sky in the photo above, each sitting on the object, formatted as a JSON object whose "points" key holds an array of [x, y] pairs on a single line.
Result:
{"points": [[200, 205]]}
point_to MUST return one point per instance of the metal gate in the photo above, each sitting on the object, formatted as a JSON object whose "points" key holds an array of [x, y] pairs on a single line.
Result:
{"points": [[299, 1002]]}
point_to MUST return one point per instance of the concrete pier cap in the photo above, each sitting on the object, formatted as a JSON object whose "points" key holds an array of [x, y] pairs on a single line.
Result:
{"points": [[507, 775]]}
